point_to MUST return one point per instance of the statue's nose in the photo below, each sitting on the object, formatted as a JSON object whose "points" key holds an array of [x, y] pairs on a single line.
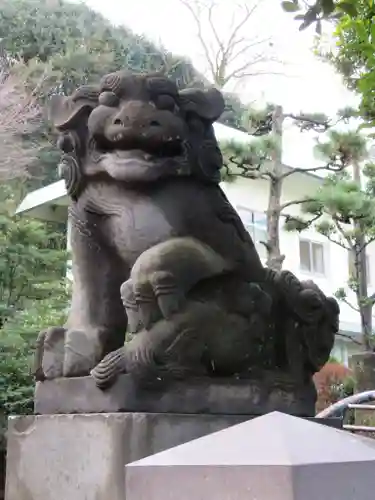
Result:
{"points": [[136, 114]]}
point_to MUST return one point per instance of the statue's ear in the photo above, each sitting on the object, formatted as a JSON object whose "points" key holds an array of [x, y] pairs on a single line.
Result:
{"points": [[66, 113], [207, 104], [333, 306]]}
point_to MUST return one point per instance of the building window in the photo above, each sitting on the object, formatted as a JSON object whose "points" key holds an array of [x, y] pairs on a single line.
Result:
{"points": [[351, 266], [256, 225], [311, 257]]}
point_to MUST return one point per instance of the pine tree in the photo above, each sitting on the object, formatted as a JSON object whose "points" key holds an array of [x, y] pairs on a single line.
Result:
{"points": [[343, 210], [262, 159], [32, 259]]}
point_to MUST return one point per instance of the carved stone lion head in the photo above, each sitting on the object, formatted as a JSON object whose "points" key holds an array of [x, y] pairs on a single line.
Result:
{"points": [[137, 128]]}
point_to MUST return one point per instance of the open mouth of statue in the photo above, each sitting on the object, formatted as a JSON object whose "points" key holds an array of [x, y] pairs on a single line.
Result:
{"points": [[142, 159], [153, 144]]}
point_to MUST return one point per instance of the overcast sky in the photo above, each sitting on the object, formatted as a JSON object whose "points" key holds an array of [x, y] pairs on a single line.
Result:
{"points": [[310, 84]]}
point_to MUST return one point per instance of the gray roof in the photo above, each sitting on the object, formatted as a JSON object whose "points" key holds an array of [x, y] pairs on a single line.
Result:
{"points": [[273, 457], [272, 439]]}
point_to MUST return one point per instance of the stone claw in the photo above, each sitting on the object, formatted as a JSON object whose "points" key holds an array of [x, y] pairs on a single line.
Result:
{"points": [[110, 367], [131, 306]]}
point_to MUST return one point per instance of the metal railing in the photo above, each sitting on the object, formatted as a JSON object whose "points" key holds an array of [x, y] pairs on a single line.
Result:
{"points": [[355, 402]]}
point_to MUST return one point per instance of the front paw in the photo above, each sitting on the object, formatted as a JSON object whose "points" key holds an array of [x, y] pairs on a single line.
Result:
{"points": [[110, 367], [82, 352], [49, 354]]}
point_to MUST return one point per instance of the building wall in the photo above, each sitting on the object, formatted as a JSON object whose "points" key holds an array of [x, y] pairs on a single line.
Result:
{"points": [[343, 349]]}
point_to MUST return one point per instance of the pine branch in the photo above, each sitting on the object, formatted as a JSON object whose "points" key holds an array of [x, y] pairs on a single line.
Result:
{"points": [[283, 206], [305, 120], [304, 223], [349, 304], [331, 167], [343, 234], [247, 170], [336, 242], [349, 337], [366, 244]]}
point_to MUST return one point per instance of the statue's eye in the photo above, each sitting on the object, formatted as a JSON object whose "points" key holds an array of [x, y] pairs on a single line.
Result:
{"points": [[165, 101], [109, 99]]}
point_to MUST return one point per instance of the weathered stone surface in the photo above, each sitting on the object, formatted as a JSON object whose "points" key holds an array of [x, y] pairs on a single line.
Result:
{"points": [[82, 457], [241, 397], [273, 457]]}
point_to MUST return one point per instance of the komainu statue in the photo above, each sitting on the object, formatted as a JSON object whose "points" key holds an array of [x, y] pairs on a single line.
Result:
{"points": [[166, 279]]}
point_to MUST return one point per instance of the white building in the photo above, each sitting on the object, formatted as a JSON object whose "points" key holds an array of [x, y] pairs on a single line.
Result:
{"points": [[309, 255]]}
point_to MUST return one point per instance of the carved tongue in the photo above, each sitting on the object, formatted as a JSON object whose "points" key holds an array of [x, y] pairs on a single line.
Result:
{"points": [[134, 154]]}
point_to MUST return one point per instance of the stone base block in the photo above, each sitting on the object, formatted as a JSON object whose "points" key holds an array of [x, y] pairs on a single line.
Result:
{"points": [[222, 397], [83, 457]]}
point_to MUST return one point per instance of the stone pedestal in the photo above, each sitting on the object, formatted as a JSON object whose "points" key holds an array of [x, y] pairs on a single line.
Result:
{"points": [[78, 448], [195, 396], [83, 457]]}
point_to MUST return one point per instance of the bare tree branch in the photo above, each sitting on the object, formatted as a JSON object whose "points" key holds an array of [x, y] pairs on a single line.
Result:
{"points": [[241, 24], [201, 38], [230, 55], [214, 31], [249, 45]]}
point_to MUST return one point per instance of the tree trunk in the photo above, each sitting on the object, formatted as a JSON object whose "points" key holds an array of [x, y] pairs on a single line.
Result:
{"points": [[360, 263], [274, 257]]}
